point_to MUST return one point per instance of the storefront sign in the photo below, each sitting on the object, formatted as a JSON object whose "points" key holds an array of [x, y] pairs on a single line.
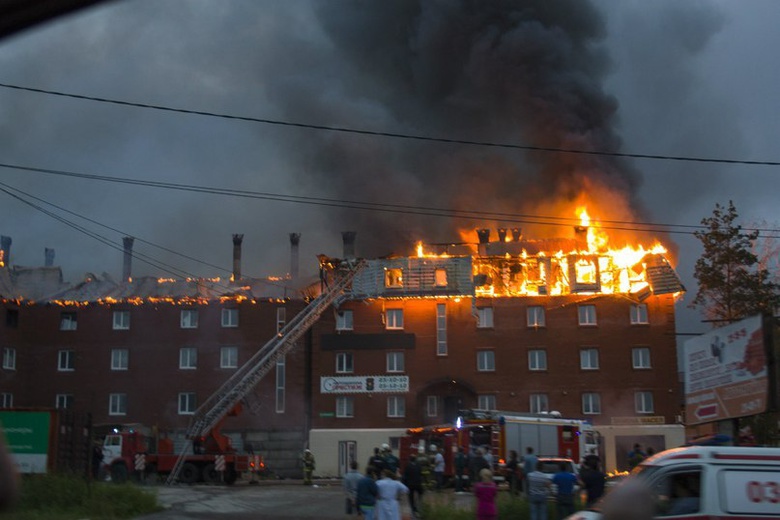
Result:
{"points": [[364, 384]]}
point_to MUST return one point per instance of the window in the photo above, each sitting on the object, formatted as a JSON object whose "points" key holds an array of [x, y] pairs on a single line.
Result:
{"points": [[188, 358], [395, 361], [396, 406], [535, 317], [440, 278], [591, 403], [539, 403], [228, 357], [678, 493], [441, 329], [432, 406], [11, 318], [9, 358], [639, 314], [486, 402], [345, 407], [187, 403], [486, 360], [344, 320], [344, 363], [537, 359], [394, 319], [68, 321], [281, 378], [119, 358], [281, 318], [589, 359], [6, 400], [484, 317], [65, 359], [394, 278], [121, 320], [63, 401], [587, 315], [117, 404], [640, 357], [189, 319], [643, 402], [230, 318]]}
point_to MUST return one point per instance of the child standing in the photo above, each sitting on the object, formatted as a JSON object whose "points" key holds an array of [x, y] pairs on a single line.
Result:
{"points": [[485, 490]]}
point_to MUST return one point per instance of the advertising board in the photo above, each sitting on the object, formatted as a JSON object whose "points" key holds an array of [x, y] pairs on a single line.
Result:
{"points": [[726, 373], [363, 384], [27, 434]]}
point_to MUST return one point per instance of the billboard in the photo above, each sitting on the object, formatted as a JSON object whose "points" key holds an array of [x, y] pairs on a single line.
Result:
{"points": [[363, 384], [726, 373], [27, 435]]}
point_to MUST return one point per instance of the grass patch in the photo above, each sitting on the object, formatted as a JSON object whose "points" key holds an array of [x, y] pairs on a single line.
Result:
{"points": [[63, 497], [446, 507]]}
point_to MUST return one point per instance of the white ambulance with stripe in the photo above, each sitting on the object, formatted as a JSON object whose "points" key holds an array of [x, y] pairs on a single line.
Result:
{"points": [[698, 482]]}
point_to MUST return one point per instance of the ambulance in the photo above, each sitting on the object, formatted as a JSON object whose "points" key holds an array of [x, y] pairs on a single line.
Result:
{"points": [[706, 482]]}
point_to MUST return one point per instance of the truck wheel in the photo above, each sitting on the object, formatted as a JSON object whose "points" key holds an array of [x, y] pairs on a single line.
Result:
{"points": [[230, 475], [119, 473], [190, 473], [210, 474]]}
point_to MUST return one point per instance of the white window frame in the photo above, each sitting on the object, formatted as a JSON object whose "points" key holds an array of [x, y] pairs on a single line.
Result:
{"points": [[228, 357], [120, 359], [66, 360], [643, 402], [486, 360], [535, 317], [432, 406], [484, 317], [396, 406], [586, 315], [394, 319], [537, 360], [441, 329], [69, 321], [188, 358], [589, 358], [187, 403], [63, 401], [395, 362], [6, 400], [345, 407], [539, 403], [281, 318], [189, 318], [281, 384], [229, 318], [9, 358], [117, 404], [639, 315], [345, 320], [640, 358], [486, 402], [345, 363], [121, 320], [591, 403]]}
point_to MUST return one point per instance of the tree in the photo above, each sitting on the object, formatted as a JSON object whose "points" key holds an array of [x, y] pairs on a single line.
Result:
{"points": [[732, 283]]}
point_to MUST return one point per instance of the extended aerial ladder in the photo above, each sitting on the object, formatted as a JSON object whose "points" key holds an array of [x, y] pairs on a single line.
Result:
{"points": [[232, 391]]}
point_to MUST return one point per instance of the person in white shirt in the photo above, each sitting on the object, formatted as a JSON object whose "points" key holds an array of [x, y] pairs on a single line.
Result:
{"points": [[387, 505]]}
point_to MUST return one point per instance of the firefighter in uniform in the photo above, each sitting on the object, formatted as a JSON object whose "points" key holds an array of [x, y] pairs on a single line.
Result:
{"points": [[308, 467]]}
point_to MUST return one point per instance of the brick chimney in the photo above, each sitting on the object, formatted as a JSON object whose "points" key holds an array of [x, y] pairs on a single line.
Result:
{"points": [[48, 255], [127, 263], [349, 243], [237, 240], [295, 239]]}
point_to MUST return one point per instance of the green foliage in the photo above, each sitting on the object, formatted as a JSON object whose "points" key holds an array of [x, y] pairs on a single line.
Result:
{"points": [[61, 497], [732, 283]]}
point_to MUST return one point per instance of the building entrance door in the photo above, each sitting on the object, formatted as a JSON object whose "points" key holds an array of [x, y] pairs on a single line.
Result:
{"points": [[452, 405], [347, 454]]}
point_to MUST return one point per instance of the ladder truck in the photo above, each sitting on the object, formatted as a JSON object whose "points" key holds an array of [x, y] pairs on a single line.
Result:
{"points": [[227, 399]]}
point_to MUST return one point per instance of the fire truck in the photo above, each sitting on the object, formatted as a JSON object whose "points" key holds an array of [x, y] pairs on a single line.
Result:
{"points": [[548, 434], [130, 450]]}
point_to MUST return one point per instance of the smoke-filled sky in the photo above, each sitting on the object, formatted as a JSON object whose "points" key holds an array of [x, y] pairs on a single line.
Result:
{"points": [[669, 78]]}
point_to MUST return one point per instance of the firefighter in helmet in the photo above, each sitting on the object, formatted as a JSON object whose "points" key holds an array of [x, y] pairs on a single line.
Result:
{"points": [[308, 466]]}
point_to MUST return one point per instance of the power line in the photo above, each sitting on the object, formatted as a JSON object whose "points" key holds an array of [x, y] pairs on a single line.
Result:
{"points": [[510, 218], [395, 135]]}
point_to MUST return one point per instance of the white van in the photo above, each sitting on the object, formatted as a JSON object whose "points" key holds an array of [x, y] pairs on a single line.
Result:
{"points": [[707, 482]]}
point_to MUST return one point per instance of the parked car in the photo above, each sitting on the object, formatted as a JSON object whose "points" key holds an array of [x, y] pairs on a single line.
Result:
{"points": [[552, 465]]}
